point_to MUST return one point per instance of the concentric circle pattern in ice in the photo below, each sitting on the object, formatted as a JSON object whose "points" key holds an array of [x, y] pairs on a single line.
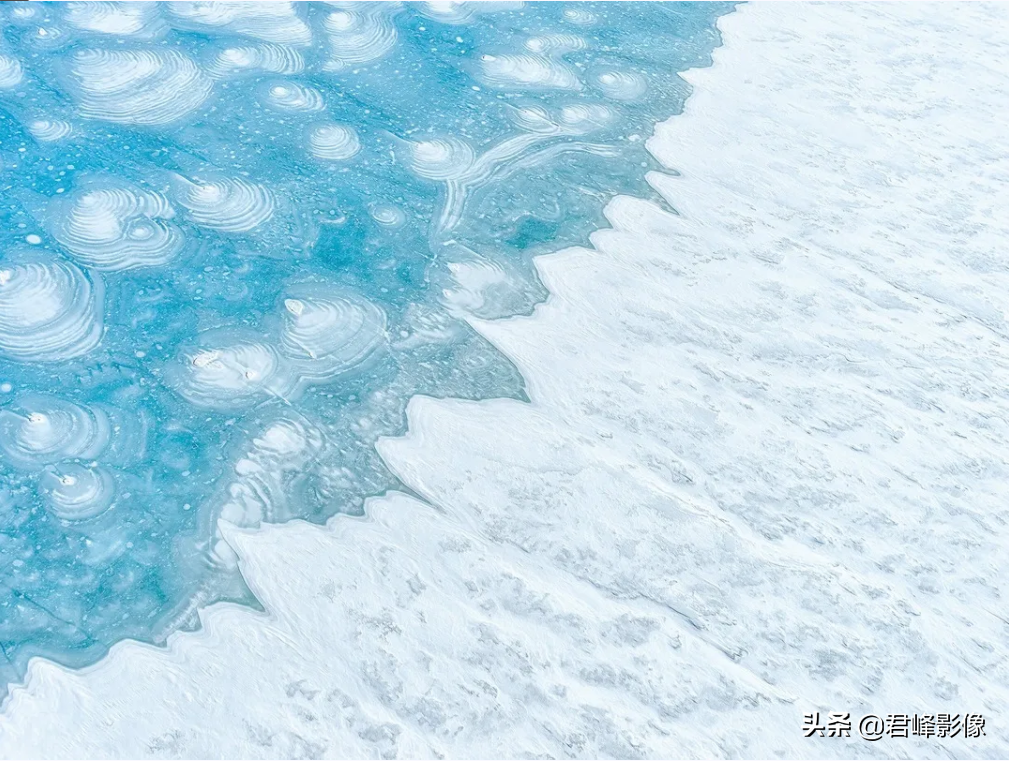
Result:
{"points": [[291, 96], [47, 131], [622, 85], [36, 430], [126, 19], [238, 237], [75, 492], [245, 60], [115, 226], [327, 331], [229, 368], [333, 142], [229, 204], [50, 310], [440, 158], [153, 86], [277, 22], [11, 72], [358, 35]]}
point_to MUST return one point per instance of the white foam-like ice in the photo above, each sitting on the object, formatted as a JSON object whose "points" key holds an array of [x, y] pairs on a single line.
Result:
{"points": [[131, 19], [276, 22], [358, 36], [291, 96], [762, 472], [11, 72], [333, 142], [38, 430], [77, 492], [327, 331], [50, 311], [148, 87], [50, 130], [112, 225], [474, 285], [621, 85], [226, 204], [254, 59]]}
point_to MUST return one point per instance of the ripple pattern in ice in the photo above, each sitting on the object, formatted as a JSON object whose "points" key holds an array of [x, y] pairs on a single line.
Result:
{"points": [[237, 237]]}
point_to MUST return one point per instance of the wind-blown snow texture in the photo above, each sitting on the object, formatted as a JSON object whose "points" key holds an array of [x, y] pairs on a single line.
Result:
{"points": [[763, 471], [236, 238]]}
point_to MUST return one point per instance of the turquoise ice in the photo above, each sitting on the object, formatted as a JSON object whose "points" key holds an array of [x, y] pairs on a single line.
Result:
{"points": [[237, 238]]}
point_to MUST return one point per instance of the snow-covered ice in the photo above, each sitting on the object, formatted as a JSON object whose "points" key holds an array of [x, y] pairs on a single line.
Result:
{"points": [[763, 470]]}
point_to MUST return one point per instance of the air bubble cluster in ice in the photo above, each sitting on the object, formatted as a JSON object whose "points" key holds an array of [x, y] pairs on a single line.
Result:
{"points": [[152, 86], [37, 430], [11, 72], [358, 35], [47, 131], [333, 142], [291, 96], [248, 60], [276, 22], [116, 226], [123, 19], [237, 237], [50, 310], [228, 204]]}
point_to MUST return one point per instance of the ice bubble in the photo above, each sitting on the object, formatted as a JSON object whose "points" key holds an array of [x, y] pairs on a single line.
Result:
{"points": [[622, 85], [358, 37], [75, 492], [327, 330], [276, 22], [130, 19], [49, 130], [50, 311], [11, 72], [111, 225], [228, 204], [440, 158], [37, 429], [249, 59], [333, 142], [147, 87], [229, 368], [291, 96]]}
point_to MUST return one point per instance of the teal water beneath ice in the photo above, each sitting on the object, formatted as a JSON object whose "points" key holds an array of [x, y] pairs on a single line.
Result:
{"points": [[237, 238]]}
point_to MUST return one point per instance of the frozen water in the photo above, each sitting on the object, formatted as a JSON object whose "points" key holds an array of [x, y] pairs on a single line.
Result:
{"points": [[762, 471], [237, 238]]}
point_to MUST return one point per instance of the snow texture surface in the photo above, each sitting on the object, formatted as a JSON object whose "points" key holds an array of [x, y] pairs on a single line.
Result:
{"points": [[763, 471]]}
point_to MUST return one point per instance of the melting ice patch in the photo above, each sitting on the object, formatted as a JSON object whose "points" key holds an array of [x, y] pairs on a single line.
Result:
{"points": [[237, 237]]}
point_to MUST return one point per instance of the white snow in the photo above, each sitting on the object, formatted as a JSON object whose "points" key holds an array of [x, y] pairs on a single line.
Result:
{"points": [[764, 471]]}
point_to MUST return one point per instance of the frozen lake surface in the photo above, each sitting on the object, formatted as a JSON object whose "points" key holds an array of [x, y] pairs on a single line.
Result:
{"points": [[238, 238], [761, 470]]}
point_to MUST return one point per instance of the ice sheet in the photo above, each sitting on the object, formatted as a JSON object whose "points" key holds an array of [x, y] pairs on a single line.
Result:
{"points": [[763, 471]]}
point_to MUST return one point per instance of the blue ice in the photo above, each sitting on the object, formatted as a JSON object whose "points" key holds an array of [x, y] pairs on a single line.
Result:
{"points": [[236, 238]]}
